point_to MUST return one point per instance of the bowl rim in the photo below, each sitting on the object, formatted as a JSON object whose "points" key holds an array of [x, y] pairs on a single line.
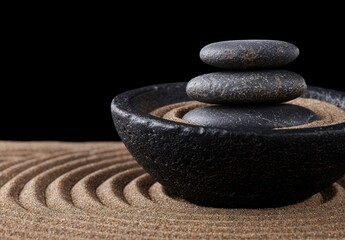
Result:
{"points": [[123, 105]]}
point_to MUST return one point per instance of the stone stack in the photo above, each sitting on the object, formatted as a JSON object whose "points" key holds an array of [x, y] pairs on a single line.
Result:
{"points": [[251, 91]]}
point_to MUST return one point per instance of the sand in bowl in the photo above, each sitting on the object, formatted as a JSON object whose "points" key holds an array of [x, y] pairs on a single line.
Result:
{"points": [[327, 113]]}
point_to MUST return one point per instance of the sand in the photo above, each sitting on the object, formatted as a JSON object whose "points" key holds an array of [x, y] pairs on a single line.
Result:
{"points": [[328, 114], [97, 191]]}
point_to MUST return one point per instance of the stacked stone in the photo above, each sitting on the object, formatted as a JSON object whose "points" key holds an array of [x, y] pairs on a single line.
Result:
{"points": [[250, 91]]}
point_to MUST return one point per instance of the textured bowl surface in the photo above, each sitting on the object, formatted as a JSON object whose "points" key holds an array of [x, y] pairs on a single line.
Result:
{"points": [[229, 167]]}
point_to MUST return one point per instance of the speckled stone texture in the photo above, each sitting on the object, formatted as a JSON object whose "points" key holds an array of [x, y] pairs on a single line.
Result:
{"points": [[229, 167], [249, 54], [272, 86], [248, 117]]}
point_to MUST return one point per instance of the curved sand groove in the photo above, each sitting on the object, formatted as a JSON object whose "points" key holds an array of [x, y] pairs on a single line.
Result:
{"points": [[31, 196], [84, 194], [11, 161], [58, 192], [11, 189], [111, 192], [98, 191], [136, 192], [11, 168]]}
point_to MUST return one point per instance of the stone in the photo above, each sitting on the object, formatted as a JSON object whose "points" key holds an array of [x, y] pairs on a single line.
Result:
{"points": [[249, 54], [272, 86], [229, 168], [250, 117]]}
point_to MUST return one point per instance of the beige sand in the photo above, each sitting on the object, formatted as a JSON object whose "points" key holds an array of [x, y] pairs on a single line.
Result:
{"points": [[52, 190], [329, 114]]}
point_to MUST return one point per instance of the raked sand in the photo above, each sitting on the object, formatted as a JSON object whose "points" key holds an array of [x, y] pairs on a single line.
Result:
{"points": [[55, 190]]}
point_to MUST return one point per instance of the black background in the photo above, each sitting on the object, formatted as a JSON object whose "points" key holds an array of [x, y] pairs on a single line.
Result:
{"points": [[61, 68]]}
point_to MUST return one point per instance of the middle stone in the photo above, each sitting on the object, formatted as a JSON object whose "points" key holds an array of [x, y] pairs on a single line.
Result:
{"points": [[273, 86]]}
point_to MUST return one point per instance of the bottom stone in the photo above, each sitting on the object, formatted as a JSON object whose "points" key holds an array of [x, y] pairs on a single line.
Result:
{"points": [[246, 117]]}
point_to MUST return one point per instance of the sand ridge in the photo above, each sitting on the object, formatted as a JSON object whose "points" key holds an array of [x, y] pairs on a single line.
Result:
{"points": [[96, 191]]}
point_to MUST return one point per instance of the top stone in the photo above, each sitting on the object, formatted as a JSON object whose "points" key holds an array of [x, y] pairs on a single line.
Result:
{"points": [[249, 54]]}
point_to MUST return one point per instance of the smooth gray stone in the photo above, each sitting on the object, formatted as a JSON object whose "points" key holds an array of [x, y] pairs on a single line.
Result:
{"points": [[249, 54], [251, 117], [271, 86]]}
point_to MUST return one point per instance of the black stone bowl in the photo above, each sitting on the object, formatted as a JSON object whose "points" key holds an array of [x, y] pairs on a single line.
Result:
{"points": [[229, 167]]}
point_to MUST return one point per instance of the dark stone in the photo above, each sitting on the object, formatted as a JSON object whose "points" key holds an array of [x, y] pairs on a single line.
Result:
{"points": [[249, 54], [246, 87], [229, 167], [249, 117]]}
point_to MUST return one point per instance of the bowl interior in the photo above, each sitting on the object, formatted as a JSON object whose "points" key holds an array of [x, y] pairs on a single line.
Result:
{"points": [[144, 100]]}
